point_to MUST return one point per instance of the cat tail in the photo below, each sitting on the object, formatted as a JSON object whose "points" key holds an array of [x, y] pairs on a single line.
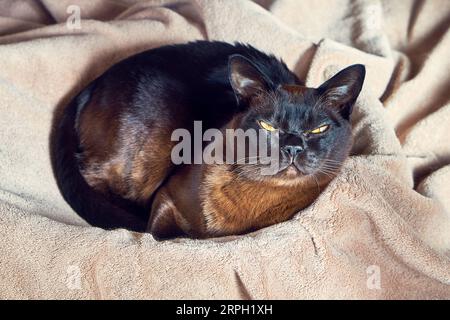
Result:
{"points": [[89, 204]]}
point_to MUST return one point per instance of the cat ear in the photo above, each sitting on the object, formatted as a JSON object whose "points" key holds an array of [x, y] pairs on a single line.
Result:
{"points": [[342, 90], [245, 78]]}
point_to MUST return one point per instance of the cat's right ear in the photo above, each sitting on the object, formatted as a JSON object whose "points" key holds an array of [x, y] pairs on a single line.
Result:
{"points": [[245, 78]]}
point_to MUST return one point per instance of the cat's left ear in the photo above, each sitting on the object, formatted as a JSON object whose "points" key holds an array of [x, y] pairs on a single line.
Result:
{"points": [[245, 78], [342, 90]]}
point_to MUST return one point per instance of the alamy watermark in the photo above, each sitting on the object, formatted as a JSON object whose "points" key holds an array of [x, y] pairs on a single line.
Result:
{"points": [[230, 146], [73, 22], [373, 277], [73, 280]]}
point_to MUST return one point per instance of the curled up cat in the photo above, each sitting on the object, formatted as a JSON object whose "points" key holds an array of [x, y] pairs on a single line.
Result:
{"points": [[114, 146]]}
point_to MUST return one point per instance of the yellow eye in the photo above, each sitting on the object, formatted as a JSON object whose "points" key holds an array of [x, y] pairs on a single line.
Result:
{"points": [[266, 126], [320, 129]]}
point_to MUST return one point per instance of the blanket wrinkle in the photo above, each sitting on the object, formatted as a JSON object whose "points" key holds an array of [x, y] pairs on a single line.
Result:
{"points": [[380, 230], [243, 291]]}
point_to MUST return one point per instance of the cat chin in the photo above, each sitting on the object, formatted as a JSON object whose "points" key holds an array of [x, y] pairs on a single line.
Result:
{"points": [[288, 176], [284, 177], [292, 171]]}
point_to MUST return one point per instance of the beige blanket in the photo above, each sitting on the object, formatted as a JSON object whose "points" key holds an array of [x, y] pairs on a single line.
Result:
{"points": [[380, 230]]}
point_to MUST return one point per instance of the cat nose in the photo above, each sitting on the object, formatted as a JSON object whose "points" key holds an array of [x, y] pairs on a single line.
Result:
{"points": [[293, 150]]}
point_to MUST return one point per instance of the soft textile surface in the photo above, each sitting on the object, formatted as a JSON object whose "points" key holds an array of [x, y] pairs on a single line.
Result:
{"points": [[381, 229]]}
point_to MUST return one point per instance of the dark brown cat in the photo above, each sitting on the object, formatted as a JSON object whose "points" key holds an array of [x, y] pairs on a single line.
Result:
{"points": [[114, 152]]}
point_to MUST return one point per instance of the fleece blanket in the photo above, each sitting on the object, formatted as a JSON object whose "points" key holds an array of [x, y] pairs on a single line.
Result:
{"points": [[380, 230]]}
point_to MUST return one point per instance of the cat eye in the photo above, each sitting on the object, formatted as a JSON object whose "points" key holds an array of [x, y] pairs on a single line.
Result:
{"points": [[266, 126], [320, 129]]}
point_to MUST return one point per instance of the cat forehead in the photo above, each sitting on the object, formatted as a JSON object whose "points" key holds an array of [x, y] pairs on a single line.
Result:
{"points": [[291, 101], [297, 99], [294, 90], [294, 115], [297, 94]]}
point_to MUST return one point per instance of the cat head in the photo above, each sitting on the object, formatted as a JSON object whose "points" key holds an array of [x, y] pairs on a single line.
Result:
{"points": [[312, 124]]}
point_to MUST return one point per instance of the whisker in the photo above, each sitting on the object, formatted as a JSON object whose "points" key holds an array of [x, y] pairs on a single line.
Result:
{"points": [[246, 158], [317, 182], [330, 161]]}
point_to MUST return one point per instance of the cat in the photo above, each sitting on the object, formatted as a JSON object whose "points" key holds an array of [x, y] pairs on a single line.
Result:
{"points": [[112, 149]]}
